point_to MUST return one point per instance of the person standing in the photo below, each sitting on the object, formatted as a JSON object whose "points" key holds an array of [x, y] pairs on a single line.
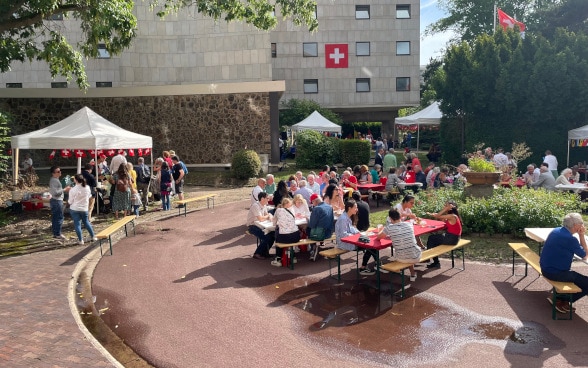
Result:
{"points": [[551, 161], [389, 161], [78, 201], [143, 180], [56, 202], [121, 199], [116, 161], [178, 174], [165, 185], [558, 253], [91, 182]]}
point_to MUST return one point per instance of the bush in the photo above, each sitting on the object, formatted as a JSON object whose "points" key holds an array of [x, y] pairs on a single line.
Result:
{"points": [[313, 149], [508, 211], [246, 164], [355, 152]]}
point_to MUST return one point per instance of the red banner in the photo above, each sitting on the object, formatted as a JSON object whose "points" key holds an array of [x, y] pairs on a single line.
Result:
{"points": [[336, 55]]}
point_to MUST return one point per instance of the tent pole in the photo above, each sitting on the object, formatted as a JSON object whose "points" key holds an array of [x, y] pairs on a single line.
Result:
{"points": [[15, 165], [418, 137], [97, 178], [568, 163]]}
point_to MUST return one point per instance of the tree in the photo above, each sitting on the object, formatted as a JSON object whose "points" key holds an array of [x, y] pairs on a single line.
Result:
{"points": [[28, 33]]}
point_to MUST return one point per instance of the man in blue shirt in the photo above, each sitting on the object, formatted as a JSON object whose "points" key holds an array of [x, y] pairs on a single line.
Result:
{"points": [[321, 216], [558, 253]]}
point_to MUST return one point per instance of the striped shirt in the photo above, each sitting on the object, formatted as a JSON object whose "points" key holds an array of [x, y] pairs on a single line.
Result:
{"points": [[403, 241]]}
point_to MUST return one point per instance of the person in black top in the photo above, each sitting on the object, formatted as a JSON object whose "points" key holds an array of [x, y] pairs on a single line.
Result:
{"points": [[91, 181], [363, 212]]}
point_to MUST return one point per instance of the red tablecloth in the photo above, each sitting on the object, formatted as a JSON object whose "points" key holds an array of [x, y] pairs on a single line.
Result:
{"points": [[374, 187]]}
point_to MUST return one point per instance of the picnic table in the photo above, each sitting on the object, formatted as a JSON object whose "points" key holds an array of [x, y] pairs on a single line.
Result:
{"points": [[540, 234], [576, 187], [424, 227]]}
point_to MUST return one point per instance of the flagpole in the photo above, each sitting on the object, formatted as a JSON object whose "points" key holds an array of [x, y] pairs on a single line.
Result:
{"points": [[494, 26]]}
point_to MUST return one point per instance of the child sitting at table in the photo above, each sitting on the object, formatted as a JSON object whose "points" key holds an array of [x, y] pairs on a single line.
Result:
{"points": [[406, 249]]}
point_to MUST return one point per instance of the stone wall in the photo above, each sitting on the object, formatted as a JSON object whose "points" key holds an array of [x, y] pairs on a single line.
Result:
{"points": [[201, 129]]}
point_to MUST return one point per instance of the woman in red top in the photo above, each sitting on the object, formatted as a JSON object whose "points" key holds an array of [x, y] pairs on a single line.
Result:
{"points": [[450, 216]]}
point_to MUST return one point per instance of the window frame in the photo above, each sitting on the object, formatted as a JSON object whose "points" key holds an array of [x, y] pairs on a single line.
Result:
{"points": [[403, 42], [103, 84], [369, 46], [402, 8], [103, 54], [310, 82], [14, 85], [398, 80], [274, 50], [363, 81], [360, 9], [304, 44], [59, 85]]}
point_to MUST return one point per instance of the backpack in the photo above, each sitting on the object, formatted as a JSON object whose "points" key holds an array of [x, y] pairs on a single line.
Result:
{"points": [[184, 167]]}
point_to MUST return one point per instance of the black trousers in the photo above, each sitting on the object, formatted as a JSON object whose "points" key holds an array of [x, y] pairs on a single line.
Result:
{"points": [[436, 240]]}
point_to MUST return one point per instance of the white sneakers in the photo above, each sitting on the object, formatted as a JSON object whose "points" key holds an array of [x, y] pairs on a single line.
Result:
{"points": [[277, 262], [413, 278]]}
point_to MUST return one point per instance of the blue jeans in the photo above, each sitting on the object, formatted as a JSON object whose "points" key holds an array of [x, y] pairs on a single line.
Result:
{"points": [[56, 206], [79, 217], [570, 276], [265, 240], [165, 202]]}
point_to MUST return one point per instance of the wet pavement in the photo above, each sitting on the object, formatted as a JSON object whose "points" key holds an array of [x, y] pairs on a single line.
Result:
{"points": [[185, 292]]}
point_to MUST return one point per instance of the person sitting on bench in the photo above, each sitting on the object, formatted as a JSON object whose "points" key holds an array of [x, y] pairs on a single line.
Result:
{"points": [[558, 252], [452, 233]]}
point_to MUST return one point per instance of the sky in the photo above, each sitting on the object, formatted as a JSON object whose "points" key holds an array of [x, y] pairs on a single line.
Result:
{"points": [[431, 46]]}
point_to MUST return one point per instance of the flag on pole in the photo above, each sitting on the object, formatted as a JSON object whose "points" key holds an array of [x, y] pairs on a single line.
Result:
{"points": [[506, 21]]}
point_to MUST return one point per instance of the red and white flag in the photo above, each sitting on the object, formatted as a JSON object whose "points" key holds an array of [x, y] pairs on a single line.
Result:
{"points": [[336, 55], [80, 153], [131, 152], [146, 151], [506, 21], [52, 155], [65, 153], [140, 151]]}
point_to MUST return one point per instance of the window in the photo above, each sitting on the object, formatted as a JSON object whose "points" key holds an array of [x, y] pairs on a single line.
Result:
{"points": [[362, 49], [311, 86], [57, 16], [403, 11], [403, 84], [103, 84], [310, 49], [274, 50], [362, 12], [102, 52], [402, 47], [362, 85], [315, 12], [58, 84], [13, 85]]}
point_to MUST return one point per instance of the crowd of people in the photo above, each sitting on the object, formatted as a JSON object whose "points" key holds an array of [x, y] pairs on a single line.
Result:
{"points": [[127, 187]]}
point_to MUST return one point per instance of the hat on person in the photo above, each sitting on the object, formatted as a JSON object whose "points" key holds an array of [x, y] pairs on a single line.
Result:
{"points": [[313, 197], [102, 155]]}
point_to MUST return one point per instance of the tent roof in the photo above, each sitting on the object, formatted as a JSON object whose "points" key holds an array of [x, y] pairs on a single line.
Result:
{"points": [[578, 133], [83, 130], [316, 121], [431, 115]]}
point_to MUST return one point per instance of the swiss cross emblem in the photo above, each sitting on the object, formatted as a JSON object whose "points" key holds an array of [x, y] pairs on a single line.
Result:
{"points": [[336, 55]]}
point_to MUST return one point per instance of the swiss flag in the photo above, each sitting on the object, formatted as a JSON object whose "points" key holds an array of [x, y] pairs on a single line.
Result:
{"points": [[52, 155], [131, 152], [80, 153], [65, 153], [91, 153], [506, 21], [336, 55], [140, 151], [146, 151], [111, 152]]}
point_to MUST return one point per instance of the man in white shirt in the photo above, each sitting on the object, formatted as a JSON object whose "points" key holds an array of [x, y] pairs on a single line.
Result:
{"points": [[258, 212], [551, 162], [117, 161], [531, 175], [258, 189], [313, 185]]}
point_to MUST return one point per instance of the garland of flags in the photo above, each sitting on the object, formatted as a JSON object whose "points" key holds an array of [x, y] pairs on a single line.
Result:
{"points": [[80, 153]]}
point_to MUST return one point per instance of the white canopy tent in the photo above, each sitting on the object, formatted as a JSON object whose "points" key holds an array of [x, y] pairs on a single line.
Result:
{"points": [[577, 134], [84, 130], [431, 115], [316, 121]]}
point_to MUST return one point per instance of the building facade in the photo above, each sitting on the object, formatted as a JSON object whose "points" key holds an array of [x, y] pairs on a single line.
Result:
{"points": [[363, 62]]}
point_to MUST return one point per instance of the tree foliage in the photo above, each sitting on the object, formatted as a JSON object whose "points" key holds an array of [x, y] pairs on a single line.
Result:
{"points": [[27, 33], [314, 149], [504, 89], [4, 144], [294, 111]]}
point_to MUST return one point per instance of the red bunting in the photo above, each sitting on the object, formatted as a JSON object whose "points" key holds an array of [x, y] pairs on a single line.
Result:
{"points": [[110, 152], [80, 153], [52, 155], [91, 153], [146, 151], [100, 152], [121, 151], [131, 152], [65, 153], [140, 151]]}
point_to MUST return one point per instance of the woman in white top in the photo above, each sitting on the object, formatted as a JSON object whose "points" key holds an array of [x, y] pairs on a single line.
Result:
{"points": [[404, 208], [564, 178], [78, 207], [300, 207], [285, 222]]}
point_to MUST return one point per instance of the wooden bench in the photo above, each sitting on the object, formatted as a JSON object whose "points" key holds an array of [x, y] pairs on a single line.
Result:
{"points": [[107, 233], [395, 193], [334, 253], [399, 267], [289, 247], [559, 288], [183, 203]]}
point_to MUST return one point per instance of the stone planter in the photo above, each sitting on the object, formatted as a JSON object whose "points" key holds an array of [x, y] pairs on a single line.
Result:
{"points": [[481, 178]]}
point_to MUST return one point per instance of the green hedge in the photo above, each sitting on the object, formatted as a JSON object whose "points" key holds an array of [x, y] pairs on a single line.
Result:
{"points": [[355, 152], [314, 149], [245, 164]]}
